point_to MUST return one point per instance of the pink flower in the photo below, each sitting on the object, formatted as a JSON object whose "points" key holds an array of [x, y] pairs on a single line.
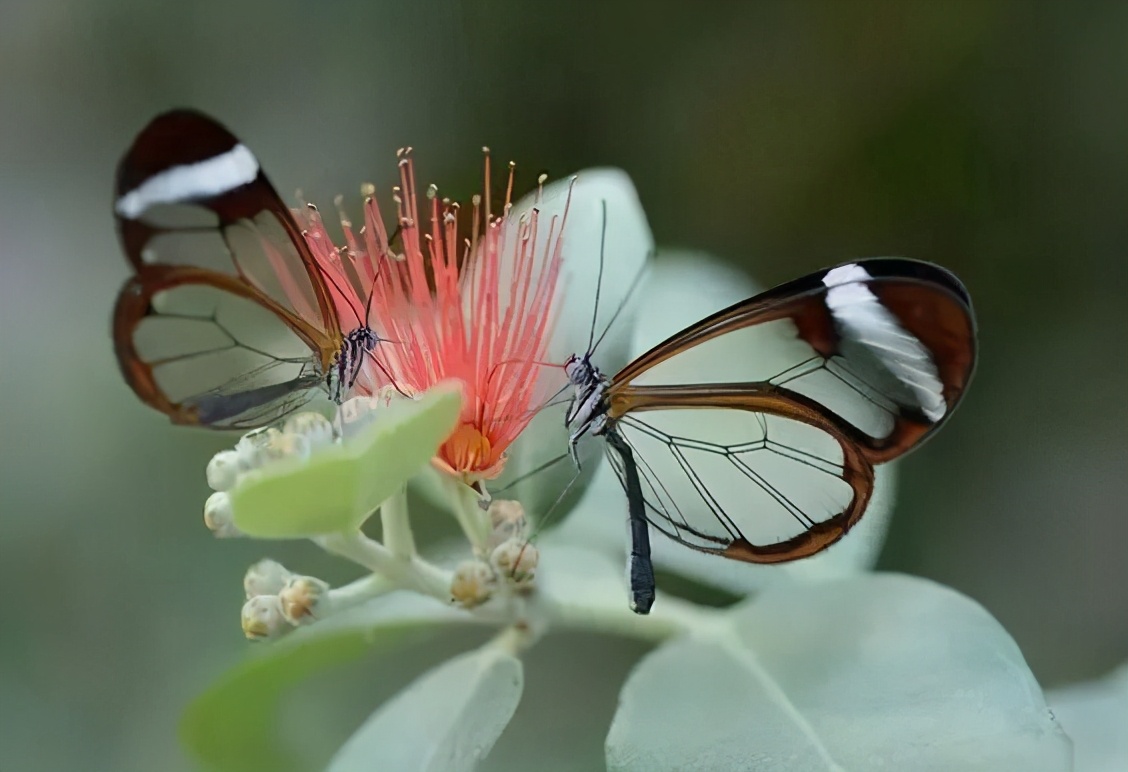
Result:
{"points": [[470, 299]]}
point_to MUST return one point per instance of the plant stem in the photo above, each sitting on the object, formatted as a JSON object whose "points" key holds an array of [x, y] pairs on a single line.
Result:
{"points": [[397, 526], [355, 593], [412, 573], [515, 639], [473, 520], [672, 617]]}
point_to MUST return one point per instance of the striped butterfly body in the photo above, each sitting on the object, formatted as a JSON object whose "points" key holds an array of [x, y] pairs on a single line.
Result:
{"points": [[228, 320], [766, 462]]}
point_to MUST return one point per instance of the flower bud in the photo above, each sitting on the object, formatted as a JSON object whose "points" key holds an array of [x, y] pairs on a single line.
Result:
{"points": [[263, 619], [357, 413], [313, 426], [223, 470], [473, 584], [515, 560], [281, 446], [507, 518], [248, 445], [266, 577], [300, 598], [218, 516]]}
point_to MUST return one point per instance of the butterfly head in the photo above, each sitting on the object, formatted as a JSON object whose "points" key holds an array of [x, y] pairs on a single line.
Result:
{"points": [[362, 339], [580, 371], [350, 359]]}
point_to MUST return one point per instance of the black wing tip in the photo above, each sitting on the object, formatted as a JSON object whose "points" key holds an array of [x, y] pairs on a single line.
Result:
{"points": [[182, 135], [179, 118], [912, 268]]}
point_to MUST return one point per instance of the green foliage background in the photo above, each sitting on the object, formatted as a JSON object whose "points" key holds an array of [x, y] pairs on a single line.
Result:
{"points": [[989, 136]]}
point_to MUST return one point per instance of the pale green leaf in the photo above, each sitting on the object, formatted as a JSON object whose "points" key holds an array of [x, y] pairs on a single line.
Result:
{"points": [[871, 672], [1095, 714], [337, 488], [579, 581], [446, 721], [233, 725]]}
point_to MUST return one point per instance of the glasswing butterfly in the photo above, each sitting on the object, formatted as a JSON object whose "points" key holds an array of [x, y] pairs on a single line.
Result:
{"points": [[731, 453], [228, 321]]}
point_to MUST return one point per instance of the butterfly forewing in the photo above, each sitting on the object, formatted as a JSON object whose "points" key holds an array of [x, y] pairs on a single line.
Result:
{"points": [[755, 431], [227, 320], [885, 347]]}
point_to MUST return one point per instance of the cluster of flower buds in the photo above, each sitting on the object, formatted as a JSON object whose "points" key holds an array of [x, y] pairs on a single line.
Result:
{"points": [[508, 561], [504, 562], [300, 435], [358, 413], [279, 600]]}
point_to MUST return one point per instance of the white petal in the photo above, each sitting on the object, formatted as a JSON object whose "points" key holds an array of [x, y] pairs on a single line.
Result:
{"points": [[873, 672], [1095, 714]]}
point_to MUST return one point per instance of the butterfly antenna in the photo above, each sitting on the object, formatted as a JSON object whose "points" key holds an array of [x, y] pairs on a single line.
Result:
{"points": [[327, 275], [518, 361], [358, 310], [376, 277], [635, 282], [371, 294], [550, 402], [539, 468], [599, 276], [391, 378], [544, 520]]}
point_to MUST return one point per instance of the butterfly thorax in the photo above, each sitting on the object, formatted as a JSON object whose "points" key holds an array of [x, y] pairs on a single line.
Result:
{"points": [[588, 409], [347, 363]]}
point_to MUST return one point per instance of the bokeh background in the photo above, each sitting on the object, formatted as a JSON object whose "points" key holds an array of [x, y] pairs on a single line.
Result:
{"points": [[988, 136]]}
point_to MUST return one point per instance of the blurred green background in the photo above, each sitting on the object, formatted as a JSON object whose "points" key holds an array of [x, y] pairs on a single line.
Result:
{"points": [[991, 137]]}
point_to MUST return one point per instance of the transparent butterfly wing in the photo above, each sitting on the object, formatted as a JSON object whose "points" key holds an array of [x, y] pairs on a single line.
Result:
{"points": [[765, 487], [227, 321], [206, 351], [886, 347], [771, 458]]}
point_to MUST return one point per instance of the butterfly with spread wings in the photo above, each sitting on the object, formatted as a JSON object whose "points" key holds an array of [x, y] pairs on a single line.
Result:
{"points": [[229, 321], [764, 462]]}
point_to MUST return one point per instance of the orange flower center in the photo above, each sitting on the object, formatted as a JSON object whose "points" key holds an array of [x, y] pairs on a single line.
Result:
{"points": [[467, 449]]}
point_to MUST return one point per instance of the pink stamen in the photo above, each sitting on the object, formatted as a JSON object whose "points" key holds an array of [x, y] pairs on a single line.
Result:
{"points": [[440, 307], [477, 309]]}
